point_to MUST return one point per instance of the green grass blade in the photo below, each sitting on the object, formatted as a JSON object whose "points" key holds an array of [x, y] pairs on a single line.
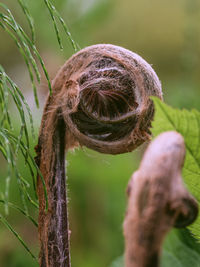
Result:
{"points": [[35, 51], [75, 46], [11, 161], [37, 54], [29, 19], [3, 151], [10, 21], [10, 139], [20, 210], [51, 11], [26, 61], [55, 14], [22, 195], [19, 106], [5, 222], [5, 119], [23, 100], [23, 149], [24, 50]]}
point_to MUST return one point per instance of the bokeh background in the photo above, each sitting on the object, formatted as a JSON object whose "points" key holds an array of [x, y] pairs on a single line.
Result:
{"points": [[167, 35]]}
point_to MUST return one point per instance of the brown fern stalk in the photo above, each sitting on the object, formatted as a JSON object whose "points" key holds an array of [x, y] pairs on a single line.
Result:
{"points": [[157, 202], [100, 100]]}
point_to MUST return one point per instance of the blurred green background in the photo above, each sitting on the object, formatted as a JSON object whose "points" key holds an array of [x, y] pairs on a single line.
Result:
{"points": [[167, 35]]}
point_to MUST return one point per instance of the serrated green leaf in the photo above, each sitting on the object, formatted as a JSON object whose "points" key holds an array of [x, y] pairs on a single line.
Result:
{"points": [[180, 249], [186, 123]]}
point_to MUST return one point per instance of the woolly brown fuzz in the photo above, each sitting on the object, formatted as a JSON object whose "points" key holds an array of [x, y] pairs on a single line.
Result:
{"points": [[100, 100]]}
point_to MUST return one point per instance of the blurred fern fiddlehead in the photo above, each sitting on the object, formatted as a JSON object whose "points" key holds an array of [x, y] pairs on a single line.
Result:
{"points": [[100, 99], [157, 201]]}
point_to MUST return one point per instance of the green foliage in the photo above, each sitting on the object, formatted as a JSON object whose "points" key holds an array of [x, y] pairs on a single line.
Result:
{"points": [[9, 88], [55, 15], [180, 249], [25, 45], [186, 123], [10, 144], [20, 210], [29, 18], [5, 222]]}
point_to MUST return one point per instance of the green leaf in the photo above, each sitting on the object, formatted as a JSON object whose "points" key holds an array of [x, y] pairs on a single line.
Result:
{"points": [[186, 123], [180, 249]]}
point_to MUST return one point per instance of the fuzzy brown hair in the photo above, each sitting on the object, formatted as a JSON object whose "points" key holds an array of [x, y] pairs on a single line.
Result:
{"points": [[100, 100]]}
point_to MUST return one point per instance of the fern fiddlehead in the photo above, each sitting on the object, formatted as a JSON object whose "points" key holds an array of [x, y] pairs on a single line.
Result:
{"points": [[100, 99]]}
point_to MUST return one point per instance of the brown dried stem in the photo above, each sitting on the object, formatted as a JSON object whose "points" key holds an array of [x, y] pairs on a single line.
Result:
{"points": [[157, 201], [101, 100]]}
